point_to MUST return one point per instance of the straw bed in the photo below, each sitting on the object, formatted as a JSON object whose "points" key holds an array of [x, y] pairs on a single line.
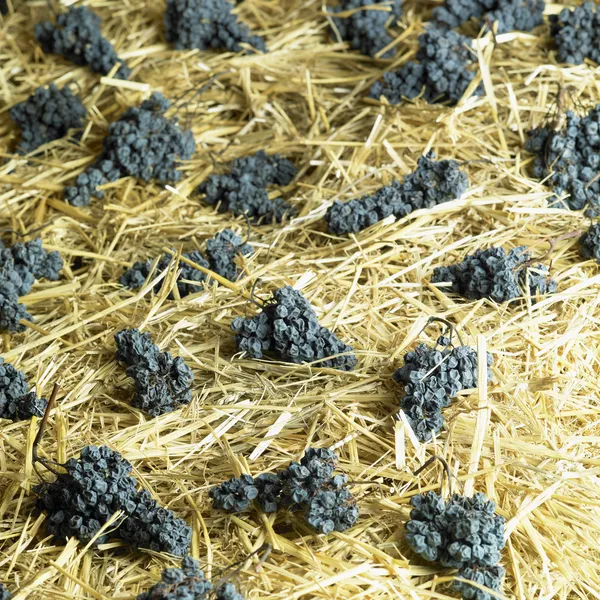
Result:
{"points": [[529, 439]]}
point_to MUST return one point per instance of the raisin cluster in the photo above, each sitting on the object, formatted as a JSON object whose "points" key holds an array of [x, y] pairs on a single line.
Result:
{"points": [[46, 115], [143, 143], [77, 36], [366, 29], [442, 74], [432, 377], [496, 274], [207, 25], [576, 33], [20, 266], [288, 328], [589, 243], [568, 159], [17, 402], [309, 485], [433, 182], [243, 191], [462, 533], [162, 382], [95, 486]]}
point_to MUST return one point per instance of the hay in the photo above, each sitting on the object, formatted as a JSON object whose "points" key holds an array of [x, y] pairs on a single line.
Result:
{"points": [[529, 440]]}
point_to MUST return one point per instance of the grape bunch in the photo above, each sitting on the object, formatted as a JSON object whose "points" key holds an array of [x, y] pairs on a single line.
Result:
{"points": [[366, 29], [20, 266], [162, 382], [589, 243], [289, 329], [95, 486], [17, 402], [243, 191], [432, 377], [496, 274], [143, 143], [309, 485], [462, 533], [576, 33], [207, 25], [431, 183], [46, 115], [77, 36]]}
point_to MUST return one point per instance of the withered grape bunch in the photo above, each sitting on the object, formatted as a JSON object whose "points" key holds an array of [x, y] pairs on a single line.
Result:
{"points": [[20, 266], [463, 533], [243, 191], [47, 115], [496, 274], [432, 377], [143, 143], [433, 182], [77, 36], [288, 328], [95, 486], [17, 402], [309, 485], [162, 382]]}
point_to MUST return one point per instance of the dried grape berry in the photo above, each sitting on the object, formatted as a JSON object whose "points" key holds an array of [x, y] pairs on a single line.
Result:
{"points": [[222, 250], [366, 29], [4, 593], [432, 377], [92, 488], [576, 34], [234, 495], [445, 59], [185, 583], [432, 183], [162, 382], [463, 533], [78, 38], [16, 401], [289, 329], [589, 243], [569, 160], [143, 143], [227, 591], [136, 276], [46, 115], [207, 25], [490, 577], [310, 483], [496, 274], [522, 15], [243, 191]]}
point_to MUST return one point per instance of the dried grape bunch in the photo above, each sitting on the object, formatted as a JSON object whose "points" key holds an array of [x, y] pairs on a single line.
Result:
{"points": [[496, 274], [96, 485], [432, 377], [442, 74], [189, 583], [366, 29], [511, 15], [576, 34], [143, 143], [78, 38], [462, 533], [589, 243], [46, 115], [135, 277], [568, 158], [289, 329], [309, 484], [162, 382], [243, 191], [16, 401], [490, 577], [207, 25], [222, 250], [432, 183], [20, 266]]}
